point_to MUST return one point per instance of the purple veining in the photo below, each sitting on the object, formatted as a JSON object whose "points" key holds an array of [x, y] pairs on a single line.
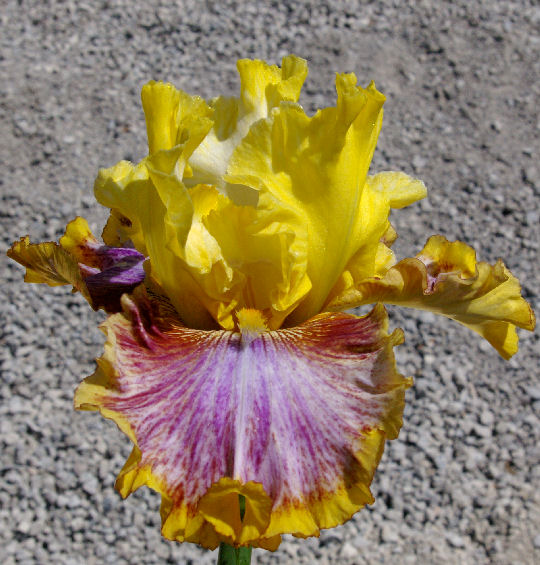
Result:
{"points": [[308, 394]]}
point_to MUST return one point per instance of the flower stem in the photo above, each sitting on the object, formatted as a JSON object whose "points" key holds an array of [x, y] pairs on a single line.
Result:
{"points": [[229, 555]]}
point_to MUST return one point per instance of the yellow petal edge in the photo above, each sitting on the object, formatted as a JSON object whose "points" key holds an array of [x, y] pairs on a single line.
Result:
{"points": [[446, 279]]}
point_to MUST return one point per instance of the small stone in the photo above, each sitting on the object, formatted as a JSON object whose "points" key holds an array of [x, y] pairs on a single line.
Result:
{"points": [[331, 536], [487, 418], [419, 162], [24, 526], [532, 218], [536, 541], [89, 484], [348, 551], [163, 551], [534, 392], [530, 175], [389, 534], [454, 540], [482, 431]]}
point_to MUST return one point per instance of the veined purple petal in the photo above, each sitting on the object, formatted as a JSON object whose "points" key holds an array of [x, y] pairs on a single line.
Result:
{"points": [[301, 412]]}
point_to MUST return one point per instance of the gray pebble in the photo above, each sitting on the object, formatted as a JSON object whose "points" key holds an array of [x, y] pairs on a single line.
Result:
{"points": [[454, 540]]}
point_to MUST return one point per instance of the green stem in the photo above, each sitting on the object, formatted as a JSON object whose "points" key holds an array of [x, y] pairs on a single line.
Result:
{"points": [[229, 555]]}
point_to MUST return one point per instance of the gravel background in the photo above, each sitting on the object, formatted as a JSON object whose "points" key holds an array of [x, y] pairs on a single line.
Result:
{"points": [[461, 484]]}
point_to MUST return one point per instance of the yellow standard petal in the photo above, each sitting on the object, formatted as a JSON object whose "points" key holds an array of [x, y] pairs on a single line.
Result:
{"points": [[262, 87], [249, 203], [310, 173], [374, 233], [173, 117]]}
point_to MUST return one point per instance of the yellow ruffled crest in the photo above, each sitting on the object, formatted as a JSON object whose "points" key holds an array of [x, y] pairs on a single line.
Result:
{"points": [[262, 87], [116, 188], [238, 261], [76, 237], [172, 117], [263, 274], [443, 257], [311, 174]]}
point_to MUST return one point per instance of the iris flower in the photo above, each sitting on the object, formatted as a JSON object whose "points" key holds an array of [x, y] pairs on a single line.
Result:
{"points": [[255, 405]]}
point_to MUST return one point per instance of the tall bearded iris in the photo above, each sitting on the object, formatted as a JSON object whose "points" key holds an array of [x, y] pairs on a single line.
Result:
{"points": [[255, 406]]}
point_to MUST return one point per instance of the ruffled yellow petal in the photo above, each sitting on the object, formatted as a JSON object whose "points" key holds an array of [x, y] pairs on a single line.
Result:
{"points": [[445, 278], [173, 117], [47, 263], [221, 507], [398, 189], [262, 87], [252, 263], [78, 240], [117, 188], [160, 103], [374, 233], [141, 194], [310, 173], [116, 232]]}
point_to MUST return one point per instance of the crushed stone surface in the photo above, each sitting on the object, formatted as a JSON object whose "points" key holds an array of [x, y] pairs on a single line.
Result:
{"points": [[461, 483]]}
